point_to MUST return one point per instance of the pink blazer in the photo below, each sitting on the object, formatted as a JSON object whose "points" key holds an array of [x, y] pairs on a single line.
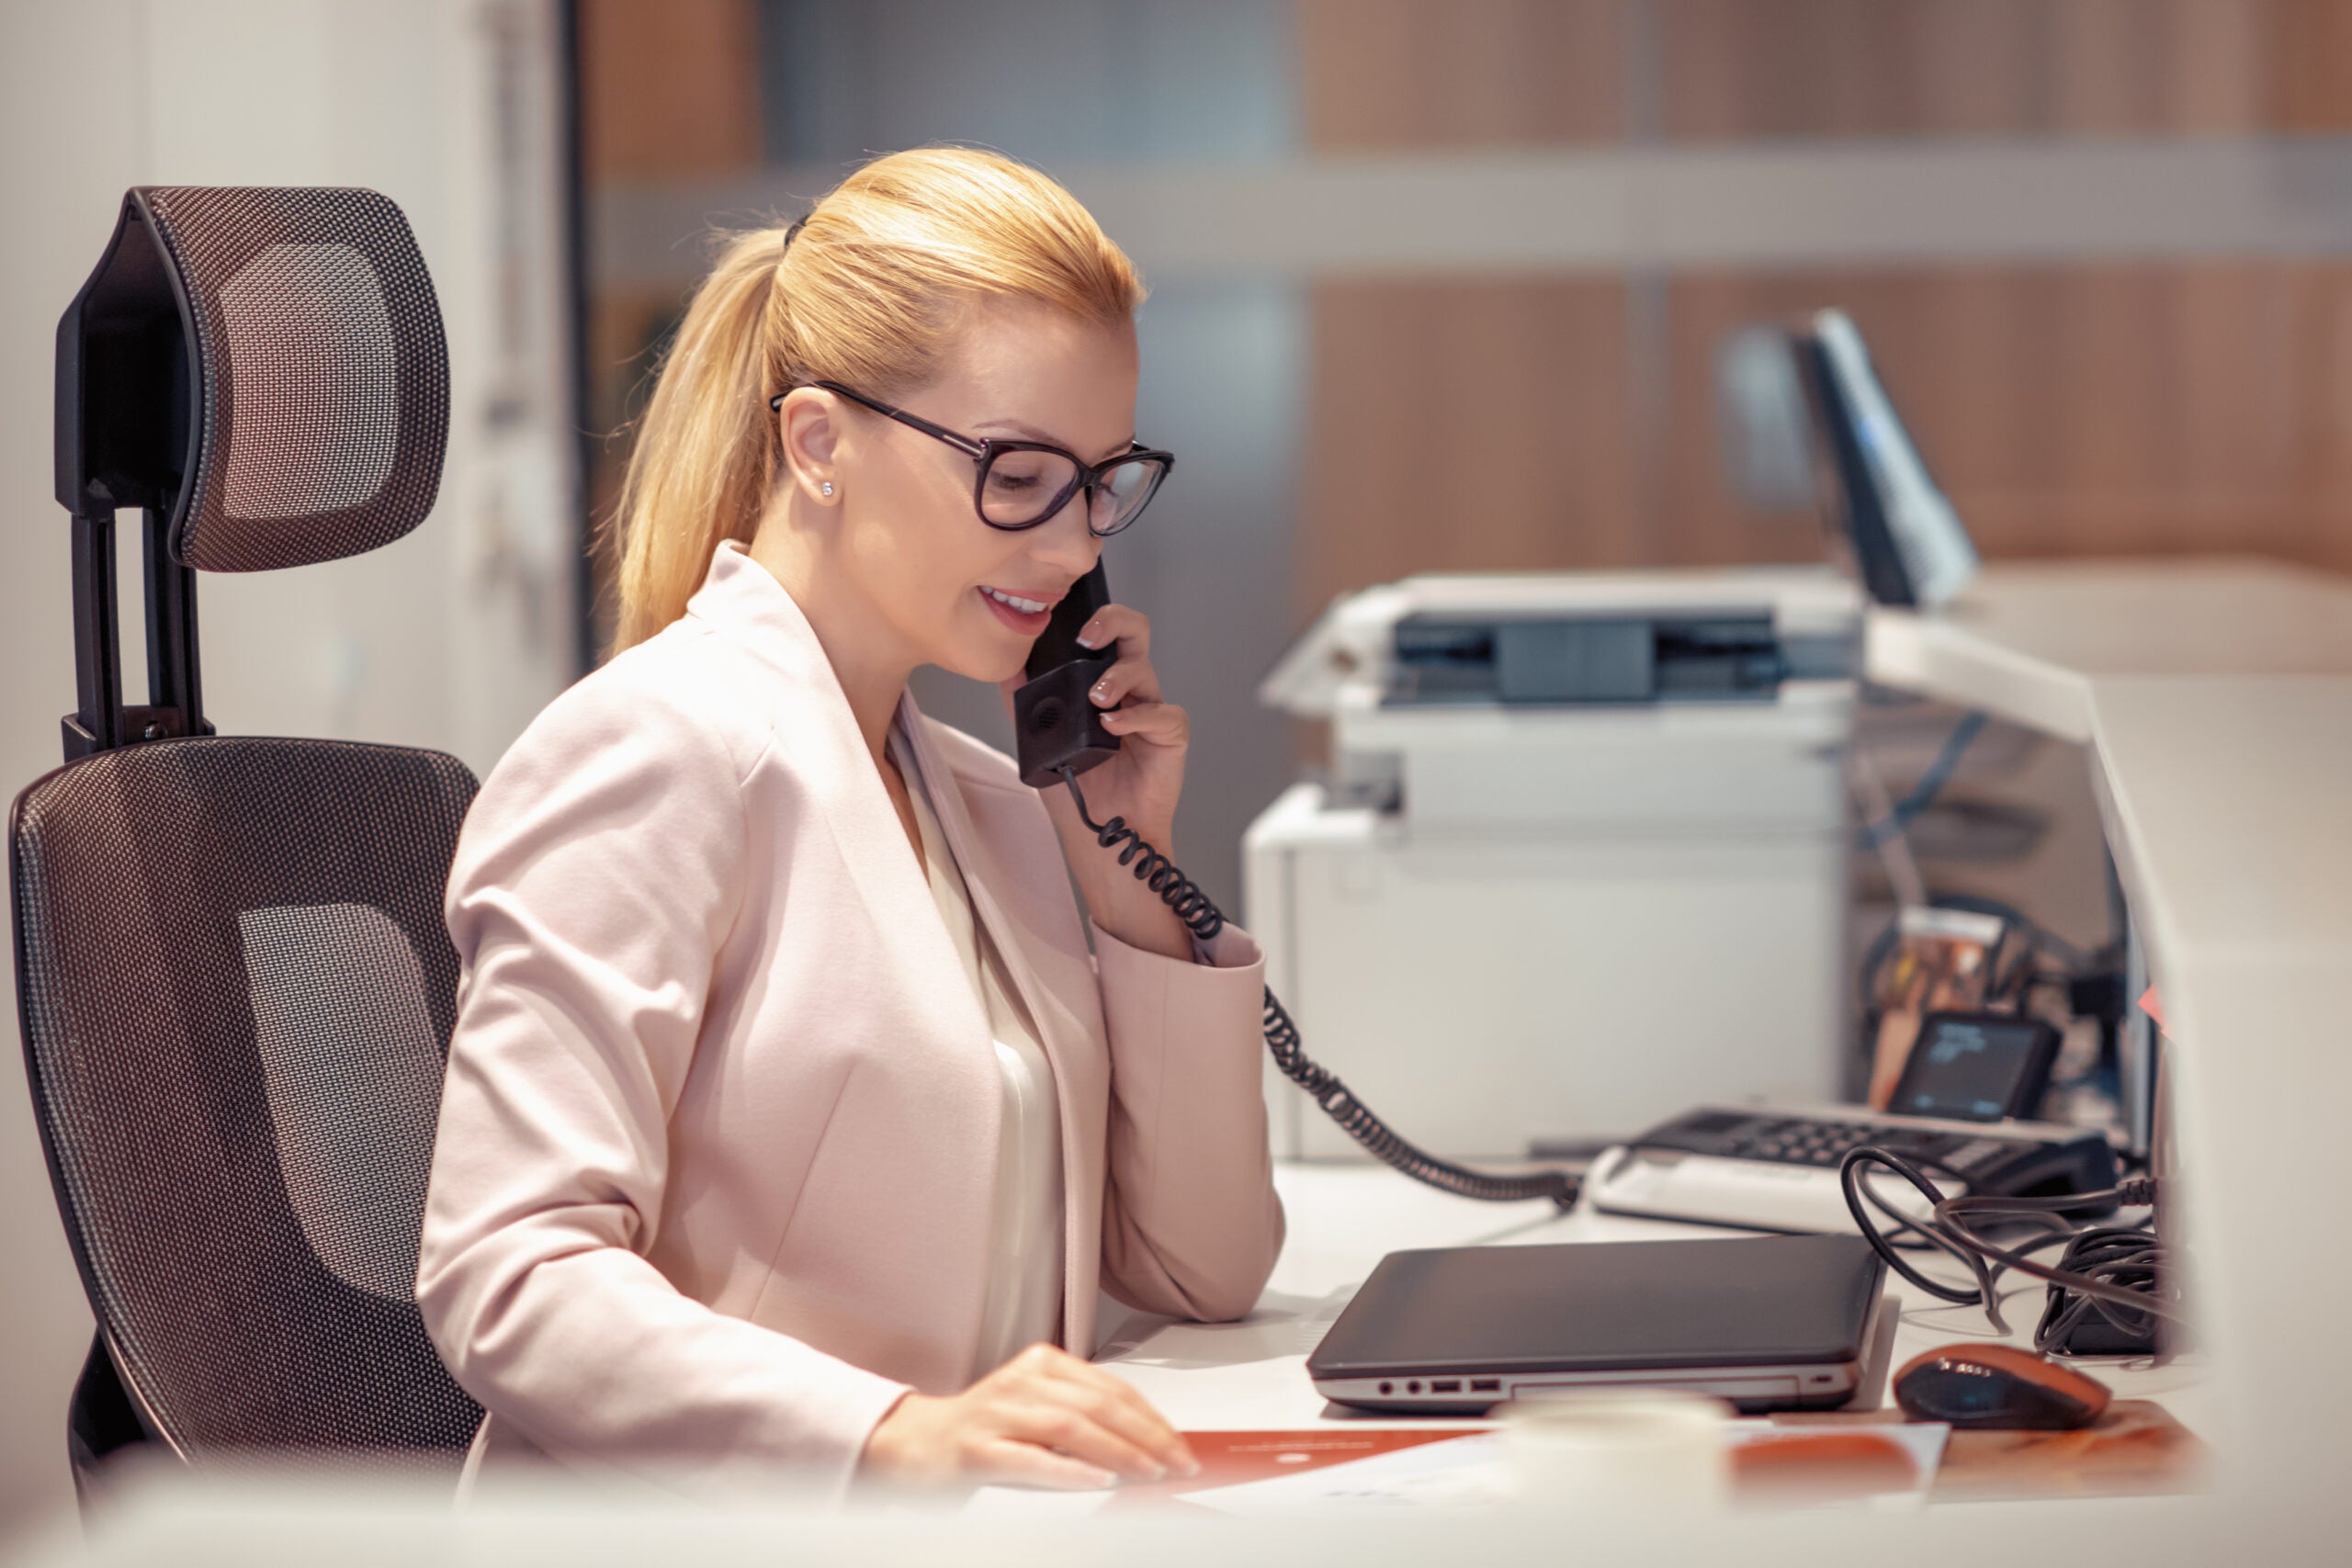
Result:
{"points": [[719, 1127]]}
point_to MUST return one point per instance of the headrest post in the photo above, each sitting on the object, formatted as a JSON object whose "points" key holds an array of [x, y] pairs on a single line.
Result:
{"points": [[174, 705], [96, 724], [174, 689]]}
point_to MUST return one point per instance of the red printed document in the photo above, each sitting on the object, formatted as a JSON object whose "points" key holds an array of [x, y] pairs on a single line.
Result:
{"points": [[1228, 1459]]}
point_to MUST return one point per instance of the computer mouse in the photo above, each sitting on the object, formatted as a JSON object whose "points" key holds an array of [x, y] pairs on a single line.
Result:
{"points": [[1997, 1386]]}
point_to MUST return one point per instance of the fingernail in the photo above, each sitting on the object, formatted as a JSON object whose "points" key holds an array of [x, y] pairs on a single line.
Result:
{"points": [[1096, 691], [1089, 637]]}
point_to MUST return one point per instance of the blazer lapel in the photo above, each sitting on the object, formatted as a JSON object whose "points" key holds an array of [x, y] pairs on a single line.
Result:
{"points": [[741, 594]]}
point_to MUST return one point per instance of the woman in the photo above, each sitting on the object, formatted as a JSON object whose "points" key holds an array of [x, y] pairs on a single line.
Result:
{"points": [[790, 1123]]}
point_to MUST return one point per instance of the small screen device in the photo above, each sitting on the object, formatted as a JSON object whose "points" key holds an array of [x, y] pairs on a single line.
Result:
{"points": [[1977, 1067]]}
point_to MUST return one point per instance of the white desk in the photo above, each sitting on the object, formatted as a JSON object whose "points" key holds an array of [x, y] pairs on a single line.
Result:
{"points": [[2228, 802], [1247, 1375], [2215, 699], [2033, 642], [1252, 1375]]}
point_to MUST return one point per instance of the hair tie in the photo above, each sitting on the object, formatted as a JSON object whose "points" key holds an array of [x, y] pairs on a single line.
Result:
{"points": [[791, 234]]}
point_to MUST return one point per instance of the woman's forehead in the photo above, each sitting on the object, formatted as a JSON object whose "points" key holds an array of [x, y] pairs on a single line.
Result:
{"points": [[1057, 377]]}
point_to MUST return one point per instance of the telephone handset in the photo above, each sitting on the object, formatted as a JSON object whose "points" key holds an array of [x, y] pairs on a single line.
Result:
{"points": [[1058, 725], [1059, 734]]}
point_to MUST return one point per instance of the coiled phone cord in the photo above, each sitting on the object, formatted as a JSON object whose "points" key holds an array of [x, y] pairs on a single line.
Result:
{"points": [[1204, 919]]}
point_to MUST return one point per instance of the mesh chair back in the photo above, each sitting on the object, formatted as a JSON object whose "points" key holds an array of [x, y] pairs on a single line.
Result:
{"points": [[237, 994], [321, 379]]}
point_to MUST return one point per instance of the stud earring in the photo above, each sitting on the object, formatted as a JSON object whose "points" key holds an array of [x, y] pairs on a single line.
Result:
{"points": [[828, 487]]}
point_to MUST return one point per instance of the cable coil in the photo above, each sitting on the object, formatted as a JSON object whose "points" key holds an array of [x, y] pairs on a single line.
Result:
{"points": [[2122, 1280], [1204, 919]]}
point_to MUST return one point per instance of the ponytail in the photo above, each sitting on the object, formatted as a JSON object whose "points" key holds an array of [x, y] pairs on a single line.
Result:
{"points": [[866, 293], [706, 458]]}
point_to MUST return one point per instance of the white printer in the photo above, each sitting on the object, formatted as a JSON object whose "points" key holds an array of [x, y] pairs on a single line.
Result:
{"points": [[1581, 857]]}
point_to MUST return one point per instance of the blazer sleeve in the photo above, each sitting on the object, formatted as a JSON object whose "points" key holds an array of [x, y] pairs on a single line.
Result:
{"points": [[596, 878], [1190, 1222]]}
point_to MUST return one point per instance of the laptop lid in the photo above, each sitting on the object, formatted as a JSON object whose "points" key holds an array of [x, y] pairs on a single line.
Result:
{"points": [[1608, 1306]]}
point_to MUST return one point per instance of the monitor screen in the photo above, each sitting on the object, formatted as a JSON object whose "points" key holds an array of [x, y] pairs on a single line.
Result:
{"points": [[1909, 544]]}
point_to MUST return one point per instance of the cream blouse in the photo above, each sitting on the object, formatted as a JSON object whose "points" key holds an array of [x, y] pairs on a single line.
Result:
{"points": [[1024, 1295]]}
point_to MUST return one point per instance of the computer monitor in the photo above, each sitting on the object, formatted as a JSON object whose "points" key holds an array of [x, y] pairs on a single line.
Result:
{"points": [[1909, 545]]}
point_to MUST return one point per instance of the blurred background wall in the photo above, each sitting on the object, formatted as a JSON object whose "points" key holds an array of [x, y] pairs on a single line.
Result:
{"points": [[1436, 284], [1446, 283]]}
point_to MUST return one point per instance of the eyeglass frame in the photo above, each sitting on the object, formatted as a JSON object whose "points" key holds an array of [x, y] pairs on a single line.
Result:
{"points": [[983, 452]]}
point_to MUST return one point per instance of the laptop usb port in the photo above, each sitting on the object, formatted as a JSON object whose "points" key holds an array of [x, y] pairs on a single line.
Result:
{"points": [[1486, 1385], [1448, 1385]]}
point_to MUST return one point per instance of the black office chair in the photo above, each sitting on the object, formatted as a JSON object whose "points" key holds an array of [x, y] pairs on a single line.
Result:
{"points": [[235, 989]]}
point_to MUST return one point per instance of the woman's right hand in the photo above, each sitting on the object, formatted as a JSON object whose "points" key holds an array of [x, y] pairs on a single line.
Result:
{"points": [[1045, 1418]]}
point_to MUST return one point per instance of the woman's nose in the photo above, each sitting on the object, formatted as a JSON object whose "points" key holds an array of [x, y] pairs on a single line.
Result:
{"points": [[1064, 542]]}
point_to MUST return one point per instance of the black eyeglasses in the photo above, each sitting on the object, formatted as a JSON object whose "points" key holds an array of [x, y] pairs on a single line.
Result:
{"points": [[1022, 483]]}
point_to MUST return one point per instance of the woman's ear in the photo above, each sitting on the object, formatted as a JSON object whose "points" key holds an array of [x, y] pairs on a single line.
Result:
{"points": [[811, 430]]}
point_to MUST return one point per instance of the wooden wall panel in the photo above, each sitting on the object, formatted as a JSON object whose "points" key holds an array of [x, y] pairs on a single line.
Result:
{"points": [[1461, 426], [2080, 411], [1408, 74], [1763, 68], [2311, 70], [668, 91], [2090, 409], [1387, 75]]}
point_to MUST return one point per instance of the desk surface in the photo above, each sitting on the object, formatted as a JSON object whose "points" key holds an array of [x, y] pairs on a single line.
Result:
{"points": [[2225, 800], [2033, 641], [2228, 792], [1344, 1218]]}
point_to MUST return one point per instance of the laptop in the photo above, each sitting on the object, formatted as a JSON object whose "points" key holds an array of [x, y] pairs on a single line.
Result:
{"points": [[1768, 1322]]}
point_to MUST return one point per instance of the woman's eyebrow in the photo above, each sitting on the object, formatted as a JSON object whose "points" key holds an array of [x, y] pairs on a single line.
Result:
{"points": [[1031, 433]]}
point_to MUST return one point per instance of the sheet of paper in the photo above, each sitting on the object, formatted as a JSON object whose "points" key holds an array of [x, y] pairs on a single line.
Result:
{"points": [[1783, 1465], [1227, 1458], [1457, 1472]]}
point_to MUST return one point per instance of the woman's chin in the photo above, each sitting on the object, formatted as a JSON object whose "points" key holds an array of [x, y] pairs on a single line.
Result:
{"points": [[993, 665]]}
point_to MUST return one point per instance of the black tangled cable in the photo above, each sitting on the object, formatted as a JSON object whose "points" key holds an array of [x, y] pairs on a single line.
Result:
{"points": [[2125, 1256], [1203, 918], [2124, 1281]]}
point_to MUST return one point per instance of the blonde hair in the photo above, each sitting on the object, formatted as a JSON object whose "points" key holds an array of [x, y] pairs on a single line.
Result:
{"points": [[868, 292]]}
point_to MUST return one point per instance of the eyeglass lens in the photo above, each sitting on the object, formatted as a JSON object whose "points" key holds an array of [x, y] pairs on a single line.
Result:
{"points": [[1021, 488]]}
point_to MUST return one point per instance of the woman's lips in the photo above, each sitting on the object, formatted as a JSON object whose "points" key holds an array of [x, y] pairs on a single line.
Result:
{"points": [[1027, 625]]}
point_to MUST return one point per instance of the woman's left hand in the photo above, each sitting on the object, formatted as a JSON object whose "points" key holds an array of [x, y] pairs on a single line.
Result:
{"points": [[1141, 783]]}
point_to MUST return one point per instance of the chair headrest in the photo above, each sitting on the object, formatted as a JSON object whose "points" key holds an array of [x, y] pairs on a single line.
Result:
{"points": [[268, 363]]}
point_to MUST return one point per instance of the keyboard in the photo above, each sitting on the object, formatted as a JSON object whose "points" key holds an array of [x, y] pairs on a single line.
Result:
{"points": [[1771, 1168]]}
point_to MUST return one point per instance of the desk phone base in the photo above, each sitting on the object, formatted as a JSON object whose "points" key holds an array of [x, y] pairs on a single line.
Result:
{"points": [[1775, 1168]]}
